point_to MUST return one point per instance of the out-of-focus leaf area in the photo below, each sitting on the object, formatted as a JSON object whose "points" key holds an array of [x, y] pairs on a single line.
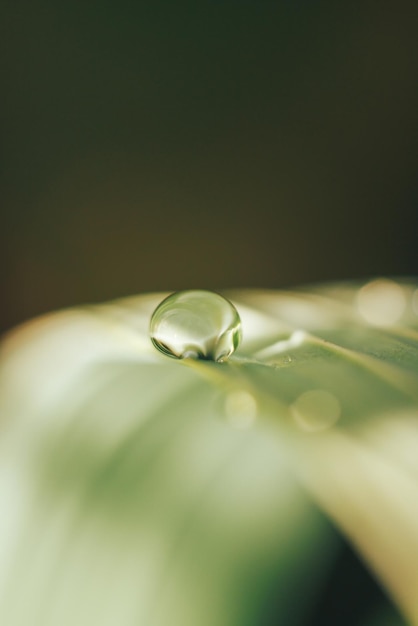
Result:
{"points": [[277, 488]]}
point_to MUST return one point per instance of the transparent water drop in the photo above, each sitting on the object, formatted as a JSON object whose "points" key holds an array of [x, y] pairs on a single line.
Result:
{"points": [[196, 324]]}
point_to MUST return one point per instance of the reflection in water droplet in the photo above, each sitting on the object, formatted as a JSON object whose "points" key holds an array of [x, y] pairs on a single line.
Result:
{"points": [[381, 302], [196, 324], [240, 409], [316, 410]]}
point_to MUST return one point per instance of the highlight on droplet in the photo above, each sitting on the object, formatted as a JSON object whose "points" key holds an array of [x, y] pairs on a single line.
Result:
{"points": [[196, 324], [240, 409], [316, 410], [381, 302]]}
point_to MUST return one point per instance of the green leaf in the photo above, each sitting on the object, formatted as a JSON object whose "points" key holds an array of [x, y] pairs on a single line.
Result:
{"points": [[140, 489]]}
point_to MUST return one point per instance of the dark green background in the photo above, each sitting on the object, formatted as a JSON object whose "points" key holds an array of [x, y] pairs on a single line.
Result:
{"points": [[150, 146]]}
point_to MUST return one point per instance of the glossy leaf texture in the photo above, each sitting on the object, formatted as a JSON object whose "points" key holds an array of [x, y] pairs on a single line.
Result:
{"points": [[145, 490]]}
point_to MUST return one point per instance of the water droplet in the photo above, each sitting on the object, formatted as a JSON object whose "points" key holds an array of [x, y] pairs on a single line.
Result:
{"points": [[196, 324], [316, 410]]}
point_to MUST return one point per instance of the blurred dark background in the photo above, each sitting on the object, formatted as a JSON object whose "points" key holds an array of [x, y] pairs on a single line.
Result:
{"points": [[150, 146]]}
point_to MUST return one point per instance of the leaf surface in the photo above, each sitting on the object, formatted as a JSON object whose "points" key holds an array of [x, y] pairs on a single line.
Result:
{"points": [[146, 490]]}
